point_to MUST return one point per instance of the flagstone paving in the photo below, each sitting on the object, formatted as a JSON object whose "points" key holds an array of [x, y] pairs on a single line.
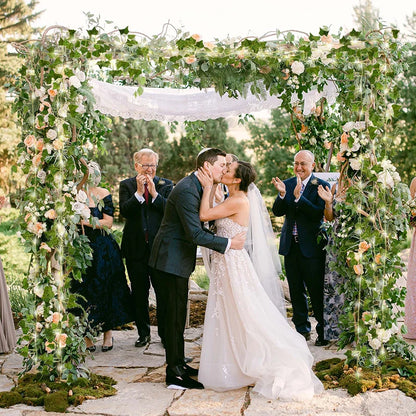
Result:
{"points": [[140, 374]]}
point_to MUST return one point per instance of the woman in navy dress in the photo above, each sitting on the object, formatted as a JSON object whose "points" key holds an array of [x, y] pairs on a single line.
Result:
{"points": [[104, 285]]}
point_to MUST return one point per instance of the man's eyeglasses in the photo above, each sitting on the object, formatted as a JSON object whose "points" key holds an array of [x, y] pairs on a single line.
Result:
{"points": [[147, 166]]}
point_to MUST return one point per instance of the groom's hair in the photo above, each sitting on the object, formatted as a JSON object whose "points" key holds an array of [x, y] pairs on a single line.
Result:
{"points": [[208, 155], [246, 173]]}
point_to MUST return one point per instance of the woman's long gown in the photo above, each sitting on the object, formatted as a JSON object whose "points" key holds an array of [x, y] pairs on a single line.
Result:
{"points": [[7, 331], [246, 339], [104, 285], [410, 302]]}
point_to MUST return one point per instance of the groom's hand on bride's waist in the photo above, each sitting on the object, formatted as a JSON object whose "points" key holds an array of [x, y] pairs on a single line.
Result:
{"points": [[237, 242]]}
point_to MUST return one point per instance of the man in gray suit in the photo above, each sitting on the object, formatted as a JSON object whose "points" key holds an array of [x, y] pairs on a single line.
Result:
{"points": [[173, 259]]}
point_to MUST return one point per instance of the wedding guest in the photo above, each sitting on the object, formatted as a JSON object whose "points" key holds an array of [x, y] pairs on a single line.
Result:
{"points": [[7, 331], [410, 302], [304, 255], [104, 285], [142, 203], [333, 297]]}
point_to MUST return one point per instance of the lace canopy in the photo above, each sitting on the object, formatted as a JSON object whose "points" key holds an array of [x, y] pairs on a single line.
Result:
{"points": [[170, 104]]}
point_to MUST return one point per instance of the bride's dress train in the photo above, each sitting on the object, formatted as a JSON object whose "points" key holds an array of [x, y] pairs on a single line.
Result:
{"points": [[247, 340]]}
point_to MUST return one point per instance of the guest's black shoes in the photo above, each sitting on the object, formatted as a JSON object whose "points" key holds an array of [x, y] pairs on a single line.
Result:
{"points": [[190, 370], [142, 341], [321, 342], [106, 348], [182, 382], [306, 335]]}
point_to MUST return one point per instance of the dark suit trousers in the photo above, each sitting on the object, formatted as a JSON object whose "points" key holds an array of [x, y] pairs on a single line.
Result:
{"points": [[140, 275], [174, 293], [305, 273]]}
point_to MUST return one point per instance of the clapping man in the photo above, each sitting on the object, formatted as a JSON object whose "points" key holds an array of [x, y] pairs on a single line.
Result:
{"points": [[301, 242], [173, 259], [142, 204]]}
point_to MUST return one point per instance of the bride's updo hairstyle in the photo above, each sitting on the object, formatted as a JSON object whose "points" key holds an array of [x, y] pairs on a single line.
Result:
{"points": [[246, 173]]}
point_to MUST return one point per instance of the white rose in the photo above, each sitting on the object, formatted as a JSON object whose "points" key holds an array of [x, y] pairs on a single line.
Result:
{"points": [[360, 125], [74, 81], [63, 111], [357, 44], [81, 109], [40, 92], [51, 134], [348, 126], [39, 310], [60, 228], [383, 335], [41, 176], [375, 343], [81, 196], [80, 75], [49, 148], [38, 291], [356, 145], [297, 67], [86, 212], [355, 164], [386, 179]]}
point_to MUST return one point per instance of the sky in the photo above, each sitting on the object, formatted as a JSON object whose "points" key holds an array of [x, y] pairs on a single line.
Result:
{"points": [[219, 19]]}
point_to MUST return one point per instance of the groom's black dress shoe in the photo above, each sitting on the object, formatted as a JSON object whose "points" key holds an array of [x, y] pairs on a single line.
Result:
{"points": [[142, 341], [190, 371], [187, 360], [321, 342], [183, 381]]}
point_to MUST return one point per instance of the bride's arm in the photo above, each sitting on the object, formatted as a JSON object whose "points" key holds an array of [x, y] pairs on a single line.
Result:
{"points": [[206, 211]]}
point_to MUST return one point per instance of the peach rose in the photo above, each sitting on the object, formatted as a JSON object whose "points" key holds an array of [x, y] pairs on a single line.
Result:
{"points": [[56, 317], [27, 217], [326, 39], [38, 228], [363, 246], [44, 246], [196, 37], [240, 55], [365, 315], [377, 258], [358, 269], [286, 72], [209, 45], [30, 140], [340, 157], [61, 340], [58, 144], [327, 144], [37, 159], [304, 129], [51, 214], [39, 145], [190, 59], [52, 93], [49, 346], [344, 138]]}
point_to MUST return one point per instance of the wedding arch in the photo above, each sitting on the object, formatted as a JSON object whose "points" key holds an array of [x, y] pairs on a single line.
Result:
{"points": [[339, 91]]}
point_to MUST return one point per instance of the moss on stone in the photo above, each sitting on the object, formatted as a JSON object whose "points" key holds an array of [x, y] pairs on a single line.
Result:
{"points": [[36, 390], [327, 364], [355, 384]]}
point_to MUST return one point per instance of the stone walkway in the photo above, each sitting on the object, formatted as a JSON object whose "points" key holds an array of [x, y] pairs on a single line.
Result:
{"points": [[140, 374]]}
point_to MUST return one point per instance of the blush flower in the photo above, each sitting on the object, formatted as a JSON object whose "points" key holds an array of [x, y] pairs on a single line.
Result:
{"points": [[44, 246], [190, 59], [58, 144], [51, 214], [49, 346], [363, 246], [37, 159], [358, 269], [209, 45], [340, 157], [377, 258], [52, 93], [30, 140], [56, 317], [61, 340], [74, 81], [196, 37], [51, 134]]}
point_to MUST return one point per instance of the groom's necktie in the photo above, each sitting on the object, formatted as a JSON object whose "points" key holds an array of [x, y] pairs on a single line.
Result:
{"points": [[295, 228]]}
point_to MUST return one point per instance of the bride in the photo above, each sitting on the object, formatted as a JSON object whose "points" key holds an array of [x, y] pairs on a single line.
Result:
{"points": [[247, 338]]}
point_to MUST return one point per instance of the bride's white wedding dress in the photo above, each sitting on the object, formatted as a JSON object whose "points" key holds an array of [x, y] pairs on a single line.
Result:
{"points": [[247, 340]]}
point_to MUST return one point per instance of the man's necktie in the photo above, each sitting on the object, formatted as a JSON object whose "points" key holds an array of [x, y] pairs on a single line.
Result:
{"points": [[295, 228], [146, 193]]}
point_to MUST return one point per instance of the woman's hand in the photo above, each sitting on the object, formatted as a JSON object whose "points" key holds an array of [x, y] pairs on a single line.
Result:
{"points": [[205, 178]]}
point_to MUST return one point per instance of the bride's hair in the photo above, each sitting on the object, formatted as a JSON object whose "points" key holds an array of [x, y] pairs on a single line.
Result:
{"points": [[246, 173]]}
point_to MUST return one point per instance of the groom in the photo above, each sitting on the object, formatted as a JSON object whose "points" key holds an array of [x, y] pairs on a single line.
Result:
{"points": [[173, 259]]}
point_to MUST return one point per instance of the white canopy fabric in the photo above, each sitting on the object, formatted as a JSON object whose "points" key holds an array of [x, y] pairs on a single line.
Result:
{"points": [[170, 104]]}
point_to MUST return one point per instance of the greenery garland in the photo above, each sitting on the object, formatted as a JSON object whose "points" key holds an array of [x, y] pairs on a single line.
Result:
{"points": [[60, 126]]}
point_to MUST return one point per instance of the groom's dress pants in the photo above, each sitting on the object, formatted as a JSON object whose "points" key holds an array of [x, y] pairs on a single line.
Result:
{"points": [[174, 294], [305, 273]]}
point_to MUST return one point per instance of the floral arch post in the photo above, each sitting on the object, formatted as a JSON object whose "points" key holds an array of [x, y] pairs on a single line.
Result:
{"points": [[55, 107]]}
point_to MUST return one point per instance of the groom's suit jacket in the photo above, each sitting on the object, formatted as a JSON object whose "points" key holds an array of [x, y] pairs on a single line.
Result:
{"points": [[141, 217], [308, 214], [181, 231]]}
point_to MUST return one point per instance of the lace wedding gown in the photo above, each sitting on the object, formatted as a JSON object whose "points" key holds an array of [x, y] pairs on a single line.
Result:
{"points": [[247, 340]]}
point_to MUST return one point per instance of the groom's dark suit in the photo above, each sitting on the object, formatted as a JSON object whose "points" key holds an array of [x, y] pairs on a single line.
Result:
{"points": [[142, 224], [173, 259], [304, 254]]}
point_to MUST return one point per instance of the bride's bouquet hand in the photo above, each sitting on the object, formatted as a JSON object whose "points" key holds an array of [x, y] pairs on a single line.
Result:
{"points": [[205, 178]]}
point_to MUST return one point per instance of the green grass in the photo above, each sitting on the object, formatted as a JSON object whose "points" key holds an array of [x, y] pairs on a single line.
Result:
{"points": [[15, 260], [200, 277]]}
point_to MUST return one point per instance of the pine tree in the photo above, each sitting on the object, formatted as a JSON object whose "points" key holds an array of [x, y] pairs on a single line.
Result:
{"points": [[16, 17]]}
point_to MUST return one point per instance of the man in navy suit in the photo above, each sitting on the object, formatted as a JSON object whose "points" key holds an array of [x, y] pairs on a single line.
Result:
{"points": [[302, 242], [173, 259], [142, 204]]}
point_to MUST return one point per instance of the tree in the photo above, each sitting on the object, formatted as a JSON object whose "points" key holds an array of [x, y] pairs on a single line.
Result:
{"points": [[201, 134], [15, 19], [367, 17], [272, 158]]}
